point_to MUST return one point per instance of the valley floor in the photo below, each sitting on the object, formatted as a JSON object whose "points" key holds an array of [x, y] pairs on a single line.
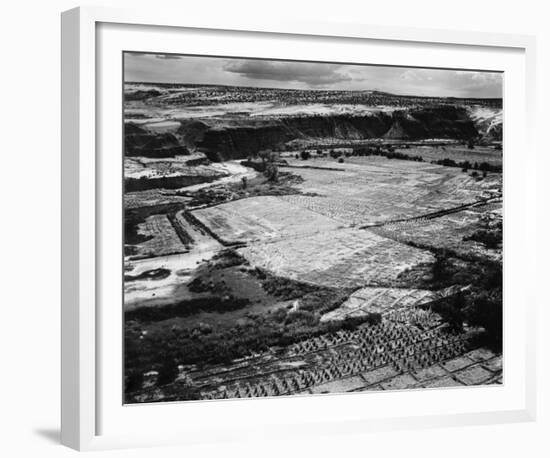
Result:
{"points": [[334, 280]]}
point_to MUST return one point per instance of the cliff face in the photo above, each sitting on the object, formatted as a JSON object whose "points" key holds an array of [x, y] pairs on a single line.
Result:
{"points": [[142, 142], [437, 122], [238, 138], [191, 132], [237, 141], [339, 126]]}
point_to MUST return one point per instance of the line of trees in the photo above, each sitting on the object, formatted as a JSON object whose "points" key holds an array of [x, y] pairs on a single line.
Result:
{"points": [[388, 152], [483, 167]]}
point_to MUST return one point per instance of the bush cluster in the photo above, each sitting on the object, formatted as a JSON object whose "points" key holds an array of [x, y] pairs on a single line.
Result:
{"points": [[389, 152], [483, 167], [480, 304]]}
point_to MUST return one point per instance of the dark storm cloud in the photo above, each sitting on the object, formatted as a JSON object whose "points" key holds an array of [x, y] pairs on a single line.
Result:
{"points": [[308, 73], [167, 56]]}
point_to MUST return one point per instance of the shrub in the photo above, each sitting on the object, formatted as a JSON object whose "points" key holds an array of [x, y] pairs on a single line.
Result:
{"points": [[134, 381], [272, 173], [447, 162], [485, 310], [442, 269], [489, 238], [452, 311], [301, 316], [279, 315], [168, 371]]}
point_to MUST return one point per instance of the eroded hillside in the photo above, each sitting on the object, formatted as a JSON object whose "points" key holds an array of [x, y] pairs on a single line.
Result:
{"points": [[241, 123]]}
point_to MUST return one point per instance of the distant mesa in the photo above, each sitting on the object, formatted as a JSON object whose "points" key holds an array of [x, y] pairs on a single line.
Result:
{"points": [[230, 122]]}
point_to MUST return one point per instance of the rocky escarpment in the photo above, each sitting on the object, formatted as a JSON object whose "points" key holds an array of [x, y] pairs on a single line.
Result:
{"points": [[141, 94], [434, 122], [237, 140], [494, 132], [191, 132], [488, 122], [142, 142], [167, 182]]}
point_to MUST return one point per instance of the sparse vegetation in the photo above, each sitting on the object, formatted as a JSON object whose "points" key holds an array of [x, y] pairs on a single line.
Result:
{"points": [[389, 152]]}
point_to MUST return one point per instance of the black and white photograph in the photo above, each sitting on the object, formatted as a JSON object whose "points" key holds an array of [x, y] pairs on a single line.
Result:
{"points": [[307, 228]]}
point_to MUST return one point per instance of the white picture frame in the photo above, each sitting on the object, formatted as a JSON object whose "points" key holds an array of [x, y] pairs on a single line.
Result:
{"points": [[93, 416]]}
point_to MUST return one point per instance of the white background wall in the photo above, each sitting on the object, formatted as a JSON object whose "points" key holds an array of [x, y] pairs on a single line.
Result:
{"points": [[29, 228]]}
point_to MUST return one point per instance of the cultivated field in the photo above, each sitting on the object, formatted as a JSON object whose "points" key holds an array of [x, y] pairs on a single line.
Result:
{"points": [[162, 238], [262, 218], [366, 191], [346, 257]]}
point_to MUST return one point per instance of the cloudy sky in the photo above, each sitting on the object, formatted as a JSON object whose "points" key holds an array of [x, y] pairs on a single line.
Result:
{"points": [[169, 68]]}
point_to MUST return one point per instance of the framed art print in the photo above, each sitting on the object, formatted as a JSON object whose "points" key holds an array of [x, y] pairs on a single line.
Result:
{"points": [[289, 232], [305, 217]]}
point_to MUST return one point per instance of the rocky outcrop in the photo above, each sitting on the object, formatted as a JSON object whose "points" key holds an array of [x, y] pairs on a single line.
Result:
{"points": [[494, 132], [191, 132], [142, 142], [167, 182], [141, 94], [488, 122], [445, 121]]}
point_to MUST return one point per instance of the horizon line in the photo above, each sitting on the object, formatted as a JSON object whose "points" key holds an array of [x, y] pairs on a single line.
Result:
{"points": [[316, 90]]}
